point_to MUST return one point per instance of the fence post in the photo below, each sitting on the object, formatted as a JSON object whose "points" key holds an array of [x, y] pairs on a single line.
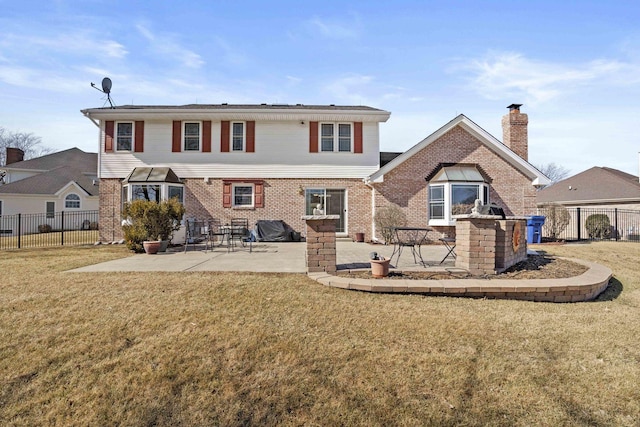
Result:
{"points": [[62, 226], [579, 223], [615, 221], [19, 230]]}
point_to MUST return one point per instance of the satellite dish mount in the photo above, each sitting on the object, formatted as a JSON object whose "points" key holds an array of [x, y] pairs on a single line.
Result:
{"points": [[106, 89]]}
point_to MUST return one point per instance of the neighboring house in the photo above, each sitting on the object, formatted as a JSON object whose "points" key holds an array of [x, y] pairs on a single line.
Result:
{"points": [[62, 181], [281, 161], [598, 187]]}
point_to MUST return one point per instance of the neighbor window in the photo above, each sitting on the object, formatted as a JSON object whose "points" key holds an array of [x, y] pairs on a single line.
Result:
{"points": [[237, 136], [72, 201], [0, 207], [191, 136], [336, 137], [51, 209], [243, 195], [124, 136]]}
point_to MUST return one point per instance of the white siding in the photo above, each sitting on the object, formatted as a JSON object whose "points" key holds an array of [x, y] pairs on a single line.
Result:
{"points": [[281, 151]]}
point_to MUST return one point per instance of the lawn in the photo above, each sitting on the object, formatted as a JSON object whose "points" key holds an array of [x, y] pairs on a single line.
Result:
{"points": [[265, 349]]}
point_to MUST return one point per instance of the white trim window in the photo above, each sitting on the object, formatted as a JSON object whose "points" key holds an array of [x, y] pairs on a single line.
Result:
{"points": [[453, 190], [340, 141], [191, 136], [176, 191], [243, 195], [124, 136], [50, 209], [0, 207], [72, 201], [155, 192], [238, 136]]}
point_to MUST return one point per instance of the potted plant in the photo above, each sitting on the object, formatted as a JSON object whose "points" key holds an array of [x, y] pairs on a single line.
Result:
{"points": [[379, 265], [148, 221]]}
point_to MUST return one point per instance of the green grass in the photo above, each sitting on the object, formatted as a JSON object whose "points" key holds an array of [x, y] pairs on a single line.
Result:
{"points": [[267, 349]]}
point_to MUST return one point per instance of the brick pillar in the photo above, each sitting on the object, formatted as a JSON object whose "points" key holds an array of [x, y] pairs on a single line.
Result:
{"points": [[321, 243], [511, 243], [476, 244]]}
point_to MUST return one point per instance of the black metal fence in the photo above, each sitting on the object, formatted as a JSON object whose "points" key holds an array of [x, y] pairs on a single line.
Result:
{"points": [[48, 229], [593, 224]]}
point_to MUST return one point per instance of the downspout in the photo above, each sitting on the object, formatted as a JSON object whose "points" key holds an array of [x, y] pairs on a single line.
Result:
{"points": [[367, 182]]}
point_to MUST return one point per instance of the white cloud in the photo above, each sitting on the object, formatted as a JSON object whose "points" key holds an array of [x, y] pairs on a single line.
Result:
{"points": [[165, 45], [75, 42], [334, 29], [512, 75]]}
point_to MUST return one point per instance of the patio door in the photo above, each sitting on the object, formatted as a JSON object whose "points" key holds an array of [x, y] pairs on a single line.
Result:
{"points": [[330, 201]]}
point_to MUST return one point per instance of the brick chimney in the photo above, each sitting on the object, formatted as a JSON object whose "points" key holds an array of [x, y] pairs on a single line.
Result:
{"points": [[14, 155], [514, 131]]}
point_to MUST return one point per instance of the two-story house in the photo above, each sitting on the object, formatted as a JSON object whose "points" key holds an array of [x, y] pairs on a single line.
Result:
{"points": [[280, 162]]}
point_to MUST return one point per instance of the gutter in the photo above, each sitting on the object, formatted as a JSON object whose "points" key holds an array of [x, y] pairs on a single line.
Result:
{"points": [[367, 182]]}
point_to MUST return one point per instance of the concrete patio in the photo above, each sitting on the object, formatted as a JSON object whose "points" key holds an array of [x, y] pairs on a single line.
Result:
{"points": [[285, 257]]}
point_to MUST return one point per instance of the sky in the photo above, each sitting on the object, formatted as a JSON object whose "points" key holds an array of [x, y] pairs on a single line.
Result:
{"points": [[574, 65]]}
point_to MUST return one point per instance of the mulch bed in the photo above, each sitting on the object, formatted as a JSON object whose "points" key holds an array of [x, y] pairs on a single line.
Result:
{"points": [[534, 267]]}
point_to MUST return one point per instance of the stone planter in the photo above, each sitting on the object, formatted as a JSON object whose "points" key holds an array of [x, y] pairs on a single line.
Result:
{"points": [[151, 247], [380, 267]]}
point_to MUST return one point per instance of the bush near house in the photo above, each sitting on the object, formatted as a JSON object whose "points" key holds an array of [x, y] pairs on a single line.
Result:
{"points": [[388, 217], [147, 220], [598, 226], [557, 218], [44, 228]]}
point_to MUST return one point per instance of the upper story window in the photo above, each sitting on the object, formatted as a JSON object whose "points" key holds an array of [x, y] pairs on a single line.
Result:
{"points": [[124, 136], [237, 136], [336, 137], [191, 136], [72, 201], [453, 191]]}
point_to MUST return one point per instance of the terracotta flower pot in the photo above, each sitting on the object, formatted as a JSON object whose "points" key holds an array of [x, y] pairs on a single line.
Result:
{"points": [[151, 247], [380, 267]]}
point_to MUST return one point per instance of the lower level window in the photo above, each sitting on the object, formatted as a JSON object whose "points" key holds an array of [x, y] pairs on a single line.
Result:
{"points": [[449, 199], [243, 195], [176, 192], [51, 209], [149, 192]]}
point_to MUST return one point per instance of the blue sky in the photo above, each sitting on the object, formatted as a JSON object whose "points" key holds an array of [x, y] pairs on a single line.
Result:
{"points": [[575, 65]]}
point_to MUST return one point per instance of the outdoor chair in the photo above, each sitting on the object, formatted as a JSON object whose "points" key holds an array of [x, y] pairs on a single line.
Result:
{"points": [[196, 232], [239, 232], [216, 232]]}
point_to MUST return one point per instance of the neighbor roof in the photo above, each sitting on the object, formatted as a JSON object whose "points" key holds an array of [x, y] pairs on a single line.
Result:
{"points": [[595, 185], [88, 162], [51, 182]]}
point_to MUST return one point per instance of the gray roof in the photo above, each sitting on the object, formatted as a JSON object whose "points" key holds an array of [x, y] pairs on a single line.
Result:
{"points": [[88, 162], [595, 185], [58, 169], [145, 174], [241, 107]]}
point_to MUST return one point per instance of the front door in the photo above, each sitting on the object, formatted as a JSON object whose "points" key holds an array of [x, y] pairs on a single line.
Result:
{"points": [[329, 201]]}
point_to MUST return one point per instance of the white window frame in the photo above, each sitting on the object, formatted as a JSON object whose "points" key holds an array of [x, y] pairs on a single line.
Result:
{"points": [[244, 136], [184, 143], [50, 214], [1, 207], [78, 200], [127, 190], [233, 195], [133, 136], [336, 137], [448, 220]]}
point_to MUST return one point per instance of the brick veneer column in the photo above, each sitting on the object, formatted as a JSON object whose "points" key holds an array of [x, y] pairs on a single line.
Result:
{"points": [[476, 244], [321, 243], [511, 243]]}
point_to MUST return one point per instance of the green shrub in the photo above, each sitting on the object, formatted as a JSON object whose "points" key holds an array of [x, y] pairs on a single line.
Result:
{"points": [[388, 217], [598, 226], [147, 220], [557, 218]]}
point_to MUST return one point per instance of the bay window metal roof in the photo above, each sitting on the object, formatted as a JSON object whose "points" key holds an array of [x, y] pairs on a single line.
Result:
{"points": [[447, 172], [146, 174]]}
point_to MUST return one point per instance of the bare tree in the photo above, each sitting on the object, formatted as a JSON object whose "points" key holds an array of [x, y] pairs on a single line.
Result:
{"points": [[27, 142], [554, 172]]}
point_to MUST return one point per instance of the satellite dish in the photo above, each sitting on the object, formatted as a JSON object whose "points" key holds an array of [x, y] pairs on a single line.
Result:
{"points": [[106, 85], [106, 89]]}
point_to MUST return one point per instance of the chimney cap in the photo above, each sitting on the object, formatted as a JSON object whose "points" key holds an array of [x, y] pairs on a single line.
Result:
{"points": [[514, 107]]}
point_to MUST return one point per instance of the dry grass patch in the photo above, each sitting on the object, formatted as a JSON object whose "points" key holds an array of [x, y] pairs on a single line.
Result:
{"points": [[265, 349]]}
